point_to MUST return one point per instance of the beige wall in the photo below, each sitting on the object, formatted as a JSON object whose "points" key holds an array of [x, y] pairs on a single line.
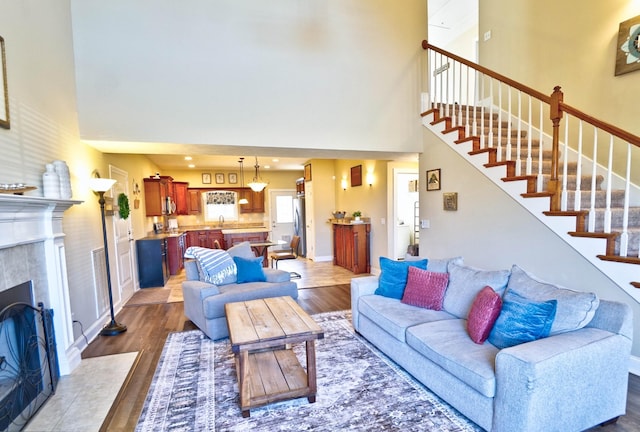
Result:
{"points": [[570, 43]]}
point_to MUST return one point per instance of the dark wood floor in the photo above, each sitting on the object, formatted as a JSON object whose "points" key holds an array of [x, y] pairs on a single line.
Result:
{"points": [[149, 325]]}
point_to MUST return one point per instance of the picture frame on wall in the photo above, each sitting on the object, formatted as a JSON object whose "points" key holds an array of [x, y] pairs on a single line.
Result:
{"points": [[206, 178], [433, 180], [233, 178], [450, 201], [219, 178], [4, 90], [356, 175], [307, 172], [628, 46]]}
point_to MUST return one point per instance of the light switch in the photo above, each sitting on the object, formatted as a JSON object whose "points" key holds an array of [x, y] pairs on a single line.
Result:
{"points": [[425, 223]]}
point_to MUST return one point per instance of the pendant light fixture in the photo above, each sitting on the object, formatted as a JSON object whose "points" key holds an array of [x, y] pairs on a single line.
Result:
{"points": [[242, 200], [257, 184]]}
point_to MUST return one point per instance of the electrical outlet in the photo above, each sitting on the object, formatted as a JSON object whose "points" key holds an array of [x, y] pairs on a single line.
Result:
{"points": [[425, 223], [487, 35]]}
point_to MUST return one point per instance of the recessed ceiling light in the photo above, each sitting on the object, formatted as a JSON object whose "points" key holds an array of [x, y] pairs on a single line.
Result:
{"points": [[275, 160], [192, 166], [266, 166], [188, 158]]}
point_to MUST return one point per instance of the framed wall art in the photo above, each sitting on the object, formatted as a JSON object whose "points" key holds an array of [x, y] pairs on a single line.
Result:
{"points": [[628, 46], [356, 176], [219, 178], [450, 201], [433, 179], [4, 89], [206, 178], [307, 172], [233, 178]]}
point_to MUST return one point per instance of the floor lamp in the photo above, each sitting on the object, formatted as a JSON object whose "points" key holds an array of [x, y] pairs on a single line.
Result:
{"points": [[100, 186]]}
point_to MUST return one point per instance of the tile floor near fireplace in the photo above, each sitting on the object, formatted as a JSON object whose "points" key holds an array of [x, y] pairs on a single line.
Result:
{"points": [[83, 398]]}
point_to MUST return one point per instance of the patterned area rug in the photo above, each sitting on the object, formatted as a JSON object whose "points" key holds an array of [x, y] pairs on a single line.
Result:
{"points": [[195, 389]]}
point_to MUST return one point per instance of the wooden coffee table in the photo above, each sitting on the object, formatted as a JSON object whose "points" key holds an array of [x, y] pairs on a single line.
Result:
{"points": [[261, 333]]}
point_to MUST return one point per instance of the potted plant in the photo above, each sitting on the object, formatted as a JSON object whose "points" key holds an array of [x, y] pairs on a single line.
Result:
{"points": [[356, 215]]}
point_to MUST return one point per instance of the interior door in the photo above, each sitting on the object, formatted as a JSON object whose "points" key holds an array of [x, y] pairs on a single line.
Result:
{"points": [[282, 215], [123, 239]]}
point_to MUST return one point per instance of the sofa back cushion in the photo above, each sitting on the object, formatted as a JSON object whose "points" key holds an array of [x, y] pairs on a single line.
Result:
{"points": [[575, 309], [425, 288], [242, 250], [393, 276], [466, 282], [216, 265]]}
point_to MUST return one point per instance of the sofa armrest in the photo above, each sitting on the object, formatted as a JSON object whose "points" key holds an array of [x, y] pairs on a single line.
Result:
{"points": [[615, 317], [277, 275], [366, 285], [570, 381], [198, 289]]}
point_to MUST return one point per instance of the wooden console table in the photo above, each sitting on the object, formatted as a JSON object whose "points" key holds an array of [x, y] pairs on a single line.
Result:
{"points": [[352, 246]]}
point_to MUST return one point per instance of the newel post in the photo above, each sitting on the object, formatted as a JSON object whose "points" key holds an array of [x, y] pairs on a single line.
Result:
{"points": [[555, 113]]}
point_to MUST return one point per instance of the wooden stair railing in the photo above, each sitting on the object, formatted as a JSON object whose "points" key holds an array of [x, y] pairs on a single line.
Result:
{"points": [[470, 102]]}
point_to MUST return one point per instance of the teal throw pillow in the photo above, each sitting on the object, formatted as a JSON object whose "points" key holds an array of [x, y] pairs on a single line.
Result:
{"points": [[249, 269], [522, 320], [393, 277]]}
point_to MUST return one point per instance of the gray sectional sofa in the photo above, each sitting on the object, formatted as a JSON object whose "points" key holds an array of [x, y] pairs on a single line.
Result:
{"points": [[569, 381], [204, 301]]}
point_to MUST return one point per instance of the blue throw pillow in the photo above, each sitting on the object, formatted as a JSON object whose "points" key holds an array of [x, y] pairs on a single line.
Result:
{"points": [[393, 277], [249, 269], [522, 320]]}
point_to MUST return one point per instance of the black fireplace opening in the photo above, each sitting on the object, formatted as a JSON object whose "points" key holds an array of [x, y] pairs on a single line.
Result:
{"points": [[29, 369]]}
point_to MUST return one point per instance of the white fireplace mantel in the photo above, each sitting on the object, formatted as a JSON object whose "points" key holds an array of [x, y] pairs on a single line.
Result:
{"points": [[28, 220]]}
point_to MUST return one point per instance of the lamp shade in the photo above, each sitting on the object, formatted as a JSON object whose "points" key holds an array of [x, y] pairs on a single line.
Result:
{"points": [[101, 184], [257, 186]]}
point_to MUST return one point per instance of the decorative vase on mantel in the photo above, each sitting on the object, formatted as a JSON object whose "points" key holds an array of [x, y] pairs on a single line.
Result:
{"points": [[51, 183]]}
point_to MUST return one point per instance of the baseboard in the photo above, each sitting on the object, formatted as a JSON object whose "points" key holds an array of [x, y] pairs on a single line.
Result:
{"points": [[323, 258], [634, 365]]}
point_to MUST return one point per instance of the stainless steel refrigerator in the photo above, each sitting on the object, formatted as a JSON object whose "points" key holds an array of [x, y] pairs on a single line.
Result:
{"points": [[300, 225]]}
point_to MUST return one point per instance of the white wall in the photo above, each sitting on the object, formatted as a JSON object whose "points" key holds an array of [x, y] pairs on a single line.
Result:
{"points": [[325, 74], [492, 231]]}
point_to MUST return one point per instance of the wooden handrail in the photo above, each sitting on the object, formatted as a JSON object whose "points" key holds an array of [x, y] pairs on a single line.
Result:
{"points": [[613, 130], [536, 94]]}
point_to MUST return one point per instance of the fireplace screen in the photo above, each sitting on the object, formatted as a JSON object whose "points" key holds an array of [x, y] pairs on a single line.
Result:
{"points": [[28, 364]]}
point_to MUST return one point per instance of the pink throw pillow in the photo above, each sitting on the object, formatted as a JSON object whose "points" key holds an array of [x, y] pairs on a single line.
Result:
{"points": [[483, 314], [425, 288]]}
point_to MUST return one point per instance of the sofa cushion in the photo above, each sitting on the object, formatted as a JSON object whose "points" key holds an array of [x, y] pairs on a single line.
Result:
{"points": [[242, 250], [393, 276], [436, 264], [395, 317], [447, 344], [213, 307], [522, 320], [249, 269], [216, 265], [483, 314], [425, 288], [575, 309], [466, 282]]}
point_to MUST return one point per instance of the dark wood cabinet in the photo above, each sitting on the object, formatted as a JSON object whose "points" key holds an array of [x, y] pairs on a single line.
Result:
{"points": [[205, 238], [194, 201], [351, 247], [156, 192], [181, 197], [176, 246], [153, 265], [256, 201]]}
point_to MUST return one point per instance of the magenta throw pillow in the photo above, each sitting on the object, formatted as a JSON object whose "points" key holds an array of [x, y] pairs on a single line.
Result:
{"points": [[483, 314], [425, 288]]}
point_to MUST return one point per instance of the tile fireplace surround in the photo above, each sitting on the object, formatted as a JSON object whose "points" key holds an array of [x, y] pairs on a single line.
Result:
{"points": [[32, 248]]}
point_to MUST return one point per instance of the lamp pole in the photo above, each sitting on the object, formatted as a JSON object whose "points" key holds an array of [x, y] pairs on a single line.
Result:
{"points": [[113, 328]]}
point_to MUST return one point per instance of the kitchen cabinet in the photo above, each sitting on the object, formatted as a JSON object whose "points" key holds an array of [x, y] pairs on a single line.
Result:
{"points": [[156, 192], [256, 201], [194, 201], [205, 238], [351, 247], [181, 197], [153, 264], [234, 238], [176, 245]]}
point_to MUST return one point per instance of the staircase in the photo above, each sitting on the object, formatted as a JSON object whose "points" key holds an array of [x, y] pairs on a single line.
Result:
{"points": [[572, 172]]}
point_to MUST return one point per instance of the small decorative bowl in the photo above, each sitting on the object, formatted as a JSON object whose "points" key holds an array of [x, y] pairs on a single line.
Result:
{"points": [[339, 215]]}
